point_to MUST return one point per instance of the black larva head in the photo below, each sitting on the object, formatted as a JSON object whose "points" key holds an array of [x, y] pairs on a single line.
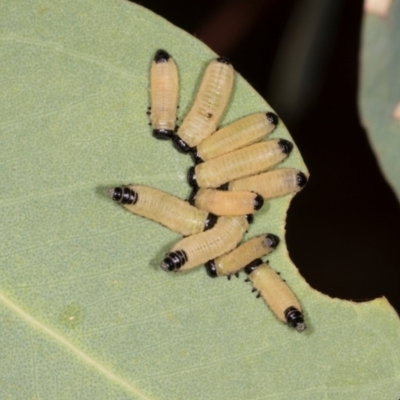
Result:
{"points": [[258, 202], [195, 156], [295, 319], [285, 146], [210, 221], [301, 179], [191, 177], [123, 195], [173, 261], [180, 145], [161, 56], [272, 118], [224, 60], [192, 196], [272, 240], [249, 268], [163, 134], [250, 218], [211, 269]]}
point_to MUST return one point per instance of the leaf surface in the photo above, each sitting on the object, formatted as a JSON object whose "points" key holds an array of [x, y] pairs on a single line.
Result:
{"points": [[85, 311]]}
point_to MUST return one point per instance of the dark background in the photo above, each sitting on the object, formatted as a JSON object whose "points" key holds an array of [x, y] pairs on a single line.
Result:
{"points": [[343, 229]]}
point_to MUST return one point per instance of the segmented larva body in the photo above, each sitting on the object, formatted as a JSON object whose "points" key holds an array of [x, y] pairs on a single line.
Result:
{"points": [[248, 161], [276, 294], [239, 134], [272, 183], [209, 105], [221, 202], [195, 250], [164, 208], [237, 259], [164, 88]]}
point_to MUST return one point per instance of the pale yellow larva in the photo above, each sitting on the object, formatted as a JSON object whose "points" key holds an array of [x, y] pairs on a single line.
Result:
{"points": [[221, 202], [164, 88], [239, 163], [195, 250], [271, 184], [210, 102], [243, 255], [276, 294], [239, 134], [164, 208]]}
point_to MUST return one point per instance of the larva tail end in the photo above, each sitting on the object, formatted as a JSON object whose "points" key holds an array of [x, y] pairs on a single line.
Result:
{"points": [[163, 134], [180, 144], [301, 327], [272, 118], [223, 60], [211, 269], [123, 195], [301, 180], [167, 266], [173, 261], [114, 193], [272, 240], [285, 146], [161, 56], [258, 202], [295, 319]]}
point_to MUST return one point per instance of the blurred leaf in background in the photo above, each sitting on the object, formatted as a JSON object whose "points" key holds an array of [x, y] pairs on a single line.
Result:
{"points": [[380, 86]]}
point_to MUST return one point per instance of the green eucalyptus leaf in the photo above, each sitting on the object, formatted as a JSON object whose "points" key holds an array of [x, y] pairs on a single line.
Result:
{"points": [[380, 90], [85, 310]]}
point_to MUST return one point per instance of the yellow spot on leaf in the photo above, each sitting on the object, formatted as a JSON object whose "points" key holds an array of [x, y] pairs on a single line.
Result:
{"points": [[72, 316]]}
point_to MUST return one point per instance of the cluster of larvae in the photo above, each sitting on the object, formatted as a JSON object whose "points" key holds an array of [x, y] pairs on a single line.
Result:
{"points": [[230, 181]]}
